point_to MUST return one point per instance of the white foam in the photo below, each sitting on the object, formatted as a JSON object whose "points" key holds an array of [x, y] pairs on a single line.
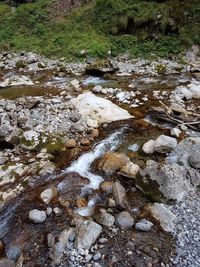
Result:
{"points": [[83, 163]]}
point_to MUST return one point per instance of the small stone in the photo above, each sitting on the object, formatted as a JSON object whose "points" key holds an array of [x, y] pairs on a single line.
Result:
{"points": [[57, 211], [103, 240], [143, 225], [37, 216], [71, 143], [124, 220], [49, 211], [64, 202], [148, 147], [72, 236], [48, 195], [175, 132], [111, 203], [129, 170], [85, 142]]}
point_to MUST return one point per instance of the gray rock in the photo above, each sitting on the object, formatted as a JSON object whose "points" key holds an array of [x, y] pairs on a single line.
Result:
{"points": [[119, 194], [37, 216], [105, 218], [194, 159], [97, 256], [87, 233], [124, 220], [171, 179], [165, 144], [164, 216], [143, 225]]}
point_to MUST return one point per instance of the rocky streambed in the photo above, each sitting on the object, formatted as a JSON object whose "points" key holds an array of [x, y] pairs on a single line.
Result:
{"points": [[99, 163]]}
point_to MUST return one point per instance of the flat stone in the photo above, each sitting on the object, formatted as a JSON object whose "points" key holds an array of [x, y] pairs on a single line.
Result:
{"points": [[87, 233], [119, 194], [143, 225]]}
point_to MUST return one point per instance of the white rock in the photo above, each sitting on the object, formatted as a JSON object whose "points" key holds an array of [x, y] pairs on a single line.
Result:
{"points": [[99, 109], [195, 90], [148, 147], [129, 170], [165, 144], [37, 216], [175, 132], [48, 194], [97, 89]]}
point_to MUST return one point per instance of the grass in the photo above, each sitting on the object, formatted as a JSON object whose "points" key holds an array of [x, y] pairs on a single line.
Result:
{"points": [[141, 28]]}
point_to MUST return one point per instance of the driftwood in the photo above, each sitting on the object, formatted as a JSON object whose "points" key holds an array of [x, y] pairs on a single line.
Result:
{"points": [[177, 116]]}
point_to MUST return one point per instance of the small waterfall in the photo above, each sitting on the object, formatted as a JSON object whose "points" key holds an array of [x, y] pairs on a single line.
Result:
{"points": [[83, 163]]}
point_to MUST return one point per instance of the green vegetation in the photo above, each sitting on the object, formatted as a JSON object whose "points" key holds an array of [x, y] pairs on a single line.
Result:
{"points": [[142, 28]]}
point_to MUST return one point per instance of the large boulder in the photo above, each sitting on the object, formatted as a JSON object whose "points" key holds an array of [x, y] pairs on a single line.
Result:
{"points": [[171, 179], [87, 234], [98, 108], [111, 162]]}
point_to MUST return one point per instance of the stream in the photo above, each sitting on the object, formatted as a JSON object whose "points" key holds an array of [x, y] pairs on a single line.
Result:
{"points": [[79, 179]]}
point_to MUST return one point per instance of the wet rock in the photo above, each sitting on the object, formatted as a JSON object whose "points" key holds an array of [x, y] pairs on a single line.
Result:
{"points": [[71, 143], [164, 216], [124, 220], [143, 225], [119, 194], [81, 202], [105, 218], [87, 233], [111, 162], [6, 263], [99, 109], [49, 194], [106, 187], [194, 160], [165, 144], [129, 170], [148, 147], [37, 216]]}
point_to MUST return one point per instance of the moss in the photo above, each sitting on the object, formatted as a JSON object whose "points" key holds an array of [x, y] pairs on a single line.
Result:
{"points": [[160, 68], [20, 64], [28, 143], [54, 147], [7, 165]]}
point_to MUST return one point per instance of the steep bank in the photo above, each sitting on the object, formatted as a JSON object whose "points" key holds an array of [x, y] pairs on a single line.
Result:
{"points": [[142, 28]]}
